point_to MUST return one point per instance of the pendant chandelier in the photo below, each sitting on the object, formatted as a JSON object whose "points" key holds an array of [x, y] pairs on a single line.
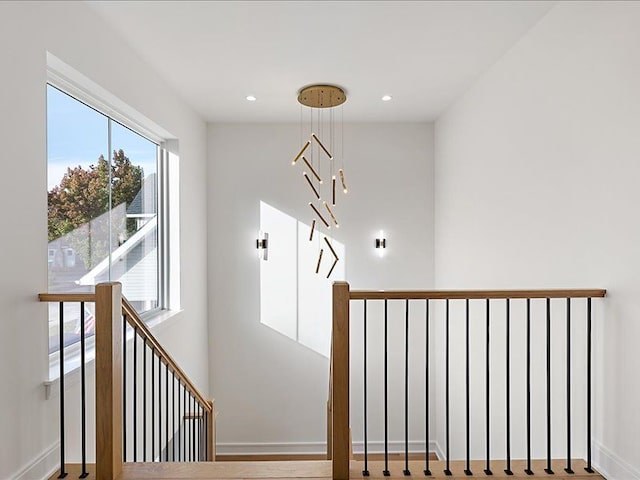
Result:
{"points": [[321, 157]]}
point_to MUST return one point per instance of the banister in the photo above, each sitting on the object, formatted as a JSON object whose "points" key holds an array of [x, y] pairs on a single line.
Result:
{"points": [[136, 322], [67, 297], [473, 294], [338, 405]]}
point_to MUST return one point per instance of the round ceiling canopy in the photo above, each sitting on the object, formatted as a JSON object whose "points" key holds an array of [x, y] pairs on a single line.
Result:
{"points": [[322, 96]]}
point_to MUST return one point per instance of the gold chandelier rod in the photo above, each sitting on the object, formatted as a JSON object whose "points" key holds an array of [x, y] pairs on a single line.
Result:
{"points": [[306, 145], [306, 177], [313, 170], [315, 137], [326, 224]]}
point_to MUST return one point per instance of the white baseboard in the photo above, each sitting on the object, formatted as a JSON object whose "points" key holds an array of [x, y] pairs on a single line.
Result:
{"points": [[270, 448], [611, 466], [317, 448], [415, 446], [435, 447], [41, 468]]}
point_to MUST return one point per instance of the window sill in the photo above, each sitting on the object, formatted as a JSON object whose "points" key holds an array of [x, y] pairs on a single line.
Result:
{"points": [[72, 360]]}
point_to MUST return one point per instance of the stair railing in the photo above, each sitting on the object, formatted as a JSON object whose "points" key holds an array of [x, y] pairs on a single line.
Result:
{"points": [[140, 405], [488, 301]]}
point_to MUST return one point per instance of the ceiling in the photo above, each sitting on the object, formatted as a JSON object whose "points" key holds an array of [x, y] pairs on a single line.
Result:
{"points": [[424, 54]]}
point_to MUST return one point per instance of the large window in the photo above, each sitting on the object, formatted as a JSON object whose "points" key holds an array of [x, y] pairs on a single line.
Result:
{"points": [[103, 217]]}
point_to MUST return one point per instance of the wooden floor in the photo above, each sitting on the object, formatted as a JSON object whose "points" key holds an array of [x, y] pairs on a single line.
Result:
{"points": [[321, 470]]}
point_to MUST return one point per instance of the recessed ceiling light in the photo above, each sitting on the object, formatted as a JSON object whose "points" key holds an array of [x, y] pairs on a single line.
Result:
{"points": [[386, 98], [251, 98]]}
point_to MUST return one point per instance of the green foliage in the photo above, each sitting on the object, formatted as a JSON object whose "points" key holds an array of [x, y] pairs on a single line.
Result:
{"points": [[83, 196]]}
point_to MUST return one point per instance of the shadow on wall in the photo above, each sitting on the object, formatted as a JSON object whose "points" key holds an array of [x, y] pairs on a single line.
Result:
{"points": [[295, 300]]}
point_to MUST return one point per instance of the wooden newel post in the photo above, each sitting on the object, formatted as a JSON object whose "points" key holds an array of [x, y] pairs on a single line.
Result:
{"points": [[340, 440], [108, 340], [211, 433]]}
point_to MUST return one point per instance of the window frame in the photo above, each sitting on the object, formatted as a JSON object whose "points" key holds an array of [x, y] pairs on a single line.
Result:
{"points": [[96, 101]]}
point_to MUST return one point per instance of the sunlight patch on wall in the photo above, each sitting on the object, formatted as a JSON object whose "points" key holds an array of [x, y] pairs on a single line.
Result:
{"points": [[294, 300]]}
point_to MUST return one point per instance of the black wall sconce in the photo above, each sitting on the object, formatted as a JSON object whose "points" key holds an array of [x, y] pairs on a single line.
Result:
{"points": [[381, 244], [262, 244]]}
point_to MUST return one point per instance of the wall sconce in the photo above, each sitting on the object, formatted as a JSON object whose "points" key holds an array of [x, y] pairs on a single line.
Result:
{"points": [[381, 243], [262, 244]]}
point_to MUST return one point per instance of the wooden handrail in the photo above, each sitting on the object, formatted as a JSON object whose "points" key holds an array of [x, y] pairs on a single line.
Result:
{"points": [[472, 294], [67, 297], [136, 322]]}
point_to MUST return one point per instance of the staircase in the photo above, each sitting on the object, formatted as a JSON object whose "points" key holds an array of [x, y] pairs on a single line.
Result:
{"points": [[128, 399]]}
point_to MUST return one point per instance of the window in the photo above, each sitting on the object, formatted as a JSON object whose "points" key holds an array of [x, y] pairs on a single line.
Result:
{"points": [[103, 215]]}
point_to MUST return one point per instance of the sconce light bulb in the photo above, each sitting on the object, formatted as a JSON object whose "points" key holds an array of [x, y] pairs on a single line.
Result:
{"points": [[381, 244]]}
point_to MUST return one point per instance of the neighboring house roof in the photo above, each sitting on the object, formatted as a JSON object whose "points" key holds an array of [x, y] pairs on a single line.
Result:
{"points": [[144, 204], [134, 263]]}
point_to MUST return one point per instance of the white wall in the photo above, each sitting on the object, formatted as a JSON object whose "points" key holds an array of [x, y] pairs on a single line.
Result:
{"points": [[537, 186], [75, 34], [269, 389]]}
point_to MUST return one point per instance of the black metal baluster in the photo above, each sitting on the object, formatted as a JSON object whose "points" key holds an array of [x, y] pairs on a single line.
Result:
{"points": [[184, 422], [173, 414], [365, 472], [144, 400], [487, 470], [447, 470], [63, 473], [135, 394], [83, 392], [568, 468], [159, 408], [406, 471], [153, 405], [588, 468], [386, 412], [124, 388], [206, 436], [193, 429], [427, 472], [205, 431], [166, 423], [528, 470], [180, 421], [196, 435], [467, 470], [200, 424], [548, 470], [508, 389]]}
